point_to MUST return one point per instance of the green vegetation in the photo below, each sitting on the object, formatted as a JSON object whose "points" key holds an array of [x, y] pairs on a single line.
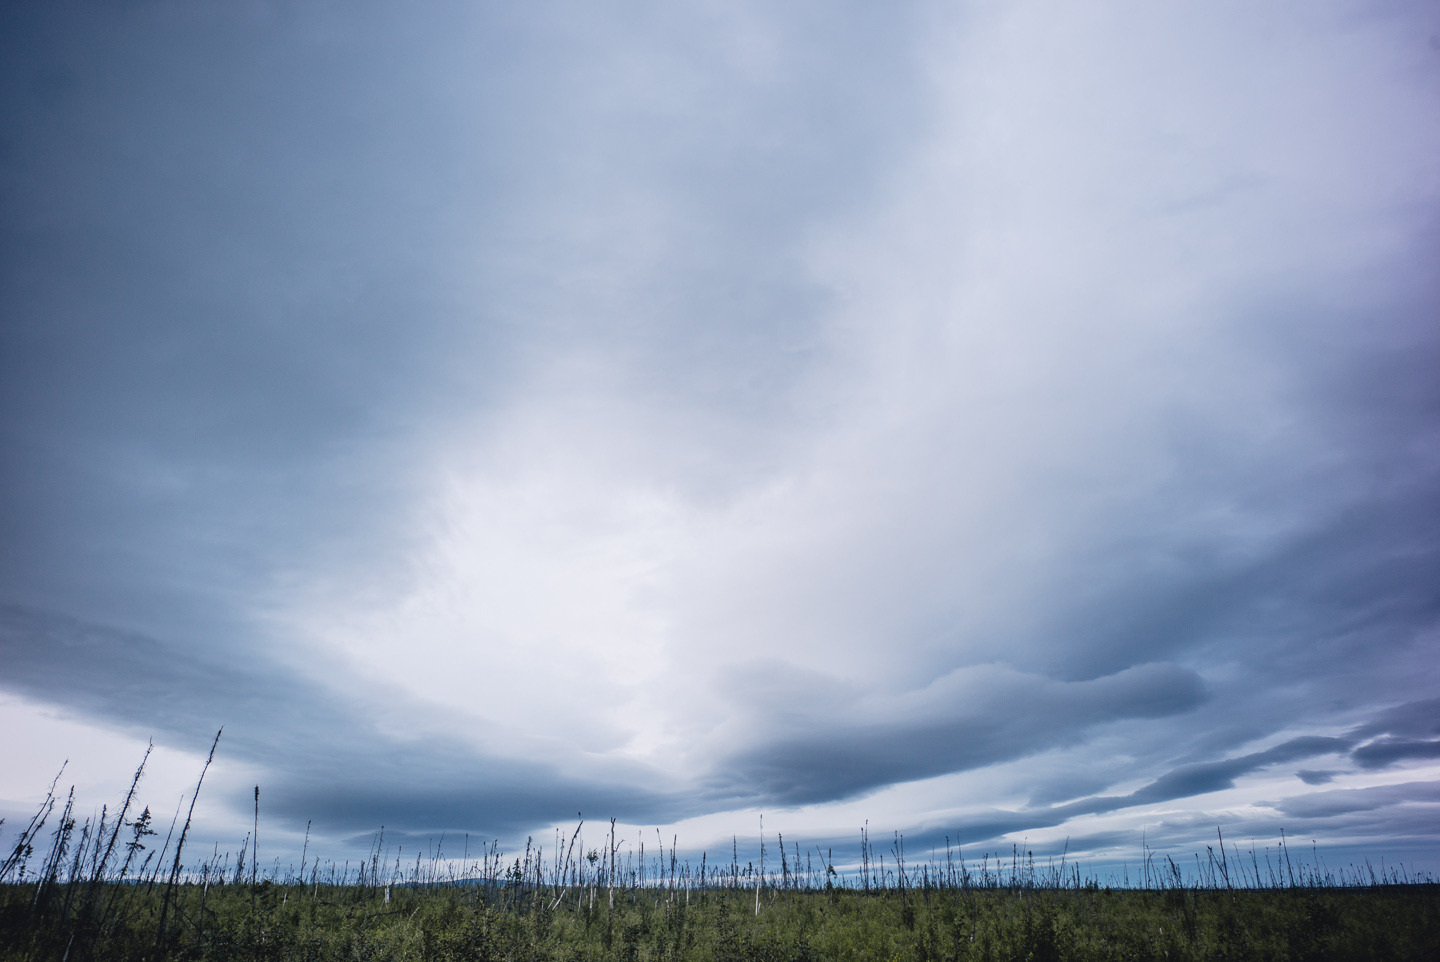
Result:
{"points": [[105, 891], [284, 922]]}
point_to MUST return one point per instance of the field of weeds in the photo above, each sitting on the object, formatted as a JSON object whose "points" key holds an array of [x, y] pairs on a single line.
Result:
{"points": [[282, 922]]}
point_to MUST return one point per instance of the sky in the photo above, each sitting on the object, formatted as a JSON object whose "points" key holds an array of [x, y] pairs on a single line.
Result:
{"points": [[1001, 422]]}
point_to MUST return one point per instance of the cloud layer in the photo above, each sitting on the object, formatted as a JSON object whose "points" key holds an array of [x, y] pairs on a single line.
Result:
{"points": [[980, 420]]}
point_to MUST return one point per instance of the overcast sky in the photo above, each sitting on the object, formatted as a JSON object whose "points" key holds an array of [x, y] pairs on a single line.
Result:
{"points": [[989, 419]]}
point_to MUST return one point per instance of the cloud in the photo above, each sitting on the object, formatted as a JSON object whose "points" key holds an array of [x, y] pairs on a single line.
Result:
{"points": [[1388, 751], [721, 407], [340, 752], [1205, 777], [1183, 782], [1412, 718], [963, 721], [1342, 801]]}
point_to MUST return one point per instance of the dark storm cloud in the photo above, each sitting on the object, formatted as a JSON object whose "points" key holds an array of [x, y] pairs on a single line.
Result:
{"points": [[1179, 783], [1388, 751], [255, 257], [990, 827], [207, 368], [962, 722], [1346, 801], [328, 754], [1204, 777], [1413, 718], [1398, 728], [1363, 569], [1097, 416]]}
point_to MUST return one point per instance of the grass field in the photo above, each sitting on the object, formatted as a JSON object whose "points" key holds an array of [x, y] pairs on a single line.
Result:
{"points": [[276, 921]]}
